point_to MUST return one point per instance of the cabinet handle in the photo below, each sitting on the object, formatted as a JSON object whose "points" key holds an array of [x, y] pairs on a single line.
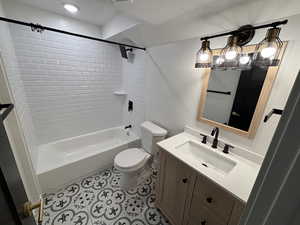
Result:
{"points": [[209, 200], [203, 222], [184, 180]]}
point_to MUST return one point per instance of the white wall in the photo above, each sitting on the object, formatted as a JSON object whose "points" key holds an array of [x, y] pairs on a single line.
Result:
{"points": [[117, 25], [25, 145], [173, 86], [134, 84], [69, 81]]}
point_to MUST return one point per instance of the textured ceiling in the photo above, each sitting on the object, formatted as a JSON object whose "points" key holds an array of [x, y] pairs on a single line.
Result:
{"points": [[155, 12], [166, 21], [225, 17], [161, 11], [97, 12]]}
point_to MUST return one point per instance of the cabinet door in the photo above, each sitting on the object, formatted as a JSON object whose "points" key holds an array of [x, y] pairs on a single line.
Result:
{"points": [[176, 181], [237, 212]]}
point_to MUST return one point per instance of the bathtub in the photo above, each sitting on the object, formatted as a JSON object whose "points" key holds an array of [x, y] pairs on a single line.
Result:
{"points": [[66, 160]]}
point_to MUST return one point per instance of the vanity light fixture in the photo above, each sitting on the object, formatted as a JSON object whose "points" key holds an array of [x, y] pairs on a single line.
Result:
{"points": [[267, 51], [220, 60], [244, 59], [232, 50], [204, 55], [71, 8], [230, 54], [233, 56]]}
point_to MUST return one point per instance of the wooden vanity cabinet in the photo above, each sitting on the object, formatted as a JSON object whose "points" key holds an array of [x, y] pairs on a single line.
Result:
{"points": [[187, 197], [174, 188]]}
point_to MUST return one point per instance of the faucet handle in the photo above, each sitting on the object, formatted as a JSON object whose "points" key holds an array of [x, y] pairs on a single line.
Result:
{"points": [[226, 148], [204, 138]]}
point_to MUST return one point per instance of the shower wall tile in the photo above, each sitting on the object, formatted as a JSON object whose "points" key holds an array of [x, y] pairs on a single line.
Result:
{"points": [[24, 142], [16, 86], [69, 83], [134, 84]]}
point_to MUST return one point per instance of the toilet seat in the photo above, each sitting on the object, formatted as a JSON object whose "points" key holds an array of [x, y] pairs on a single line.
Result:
{"points": [[131, 159]]}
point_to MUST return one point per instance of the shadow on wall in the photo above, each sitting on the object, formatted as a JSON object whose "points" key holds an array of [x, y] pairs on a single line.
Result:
{"points": [[166, 107], [164, 76]]}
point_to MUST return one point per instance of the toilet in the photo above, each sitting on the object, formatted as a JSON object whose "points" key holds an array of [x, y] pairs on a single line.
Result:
{"points": [[135, 163]]}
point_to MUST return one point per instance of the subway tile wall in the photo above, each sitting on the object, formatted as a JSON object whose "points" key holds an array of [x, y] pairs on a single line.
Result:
{"points": [[134, 84], [69, 83], [16, 86]]}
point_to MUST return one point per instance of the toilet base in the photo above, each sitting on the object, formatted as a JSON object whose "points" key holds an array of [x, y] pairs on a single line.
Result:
{"points": [[132, 179]]}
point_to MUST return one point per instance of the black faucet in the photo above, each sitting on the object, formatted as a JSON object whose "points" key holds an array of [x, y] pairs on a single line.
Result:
{"points": [[215, 132], [127, 127]]}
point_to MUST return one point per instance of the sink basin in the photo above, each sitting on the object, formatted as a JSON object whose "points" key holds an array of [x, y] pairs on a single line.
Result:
{"points": [[206, 157]]}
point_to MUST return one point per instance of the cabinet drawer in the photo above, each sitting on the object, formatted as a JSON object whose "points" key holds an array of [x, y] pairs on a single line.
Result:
{"points": [[213, 197], [203, 216]]}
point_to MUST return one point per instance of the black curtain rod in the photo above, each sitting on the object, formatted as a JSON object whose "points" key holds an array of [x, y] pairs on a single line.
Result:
{"points": [[40, 28], [275, 24], [220, 92]]}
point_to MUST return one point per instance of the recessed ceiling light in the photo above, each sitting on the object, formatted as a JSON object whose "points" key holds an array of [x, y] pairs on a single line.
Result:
{"points": [[71, 8]]}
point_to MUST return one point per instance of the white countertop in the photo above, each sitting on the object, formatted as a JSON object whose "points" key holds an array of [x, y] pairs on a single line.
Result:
{"points": [[239, 181]]}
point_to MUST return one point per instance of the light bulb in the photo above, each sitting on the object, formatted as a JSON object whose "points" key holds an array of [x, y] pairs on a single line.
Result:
{"points": [[268, 52], [204, 56], [244, 59], [220, 60], [71, 8], [231, 54]]}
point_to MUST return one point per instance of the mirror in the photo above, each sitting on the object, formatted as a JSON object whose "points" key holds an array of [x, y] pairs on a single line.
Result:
{"points": [[228, 99], [235, 99]]}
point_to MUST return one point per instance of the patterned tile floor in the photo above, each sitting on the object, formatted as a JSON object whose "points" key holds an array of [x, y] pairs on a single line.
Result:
{"points": [[99, 200]]}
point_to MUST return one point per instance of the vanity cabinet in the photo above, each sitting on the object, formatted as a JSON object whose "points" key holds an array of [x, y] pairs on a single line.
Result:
{"points": [[187, 197], [176, 181]]}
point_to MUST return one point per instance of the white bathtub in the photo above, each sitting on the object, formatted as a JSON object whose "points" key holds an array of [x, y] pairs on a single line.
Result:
{"points": [[65, 160]]}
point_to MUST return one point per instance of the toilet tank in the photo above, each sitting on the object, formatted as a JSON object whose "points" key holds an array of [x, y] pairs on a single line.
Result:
{"points": [[151, 134]]}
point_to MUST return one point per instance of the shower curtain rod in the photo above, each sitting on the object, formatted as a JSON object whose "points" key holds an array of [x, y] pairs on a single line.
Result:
{"points": [[39, 28]]}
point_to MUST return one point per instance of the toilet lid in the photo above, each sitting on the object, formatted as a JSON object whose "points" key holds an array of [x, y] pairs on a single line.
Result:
{"points": [[131, 158]]}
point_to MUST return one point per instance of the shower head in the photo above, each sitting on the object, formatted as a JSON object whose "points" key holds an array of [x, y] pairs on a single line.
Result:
{"points": [[124, 51]]}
